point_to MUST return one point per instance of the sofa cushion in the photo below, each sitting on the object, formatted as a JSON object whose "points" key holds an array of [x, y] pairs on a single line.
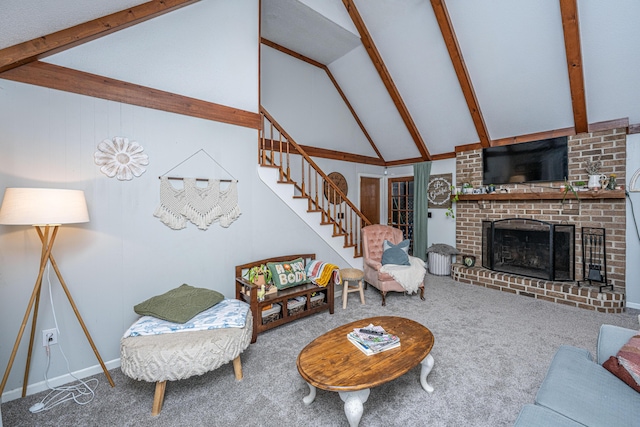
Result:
{"points": [[289, 273], [584, 391], [180, 304], [396, 254], [536, 416], [610, 339], [626, 364]]}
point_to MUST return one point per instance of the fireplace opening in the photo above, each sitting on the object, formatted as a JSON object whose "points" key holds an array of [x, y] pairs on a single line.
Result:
{"points": [[529, 247]]}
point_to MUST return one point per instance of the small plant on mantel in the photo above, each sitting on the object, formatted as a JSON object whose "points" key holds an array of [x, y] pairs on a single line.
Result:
{"points": [[568, 187], [592, 167]]}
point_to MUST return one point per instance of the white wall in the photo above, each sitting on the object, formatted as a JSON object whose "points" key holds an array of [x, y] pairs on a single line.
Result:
{"points": [[633, 223], [125, 255], [205, 50], [302, 98]]}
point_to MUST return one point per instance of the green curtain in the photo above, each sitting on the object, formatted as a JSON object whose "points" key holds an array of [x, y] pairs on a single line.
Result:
{"points": [[421, 173]]}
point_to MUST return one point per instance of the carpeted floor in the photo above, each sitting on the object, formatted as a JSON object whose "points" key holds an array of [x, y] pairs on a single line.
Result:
{"points": [[491, 351]]}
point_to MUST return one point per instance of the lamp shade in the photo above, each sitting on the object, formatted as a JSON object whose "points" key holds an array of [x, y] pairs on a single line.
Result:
{"points": [[41, 206]]}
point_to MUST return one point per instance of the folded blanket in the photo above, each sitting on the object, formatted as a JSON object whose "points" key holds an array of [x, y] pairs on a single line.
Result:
{"points": [[228, 313], [409, 276], [321, 273]]}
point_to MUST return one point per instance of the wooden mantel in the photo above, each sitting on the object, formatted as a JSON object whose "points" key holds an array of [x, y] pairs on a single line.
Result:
{"points": [[545, 195]]}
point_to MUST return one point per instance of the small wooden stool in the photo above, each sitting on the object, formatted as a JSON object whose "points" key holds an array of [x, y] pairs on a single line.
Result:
{"points": [[352, 275]]}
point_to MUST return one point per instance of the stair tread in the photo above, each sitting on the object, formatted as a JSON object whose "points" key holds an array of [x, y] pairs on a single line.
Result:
{"points": [[300, 191]]}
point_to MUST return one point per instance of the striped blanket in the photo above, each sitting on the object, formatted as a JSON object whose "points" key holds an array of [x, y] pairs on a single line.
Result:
{"points": [[321, 273]]}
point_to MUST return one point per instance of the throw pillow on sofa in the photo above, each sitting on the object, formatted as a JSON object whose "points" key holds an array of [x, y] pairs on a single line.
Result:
{"points": [[626, 363], [396, 254]]}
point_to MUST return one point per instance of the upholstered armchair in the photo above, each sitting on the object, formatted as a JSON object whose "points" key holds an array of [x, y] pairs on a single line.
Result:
{"points": [[373, 237]]}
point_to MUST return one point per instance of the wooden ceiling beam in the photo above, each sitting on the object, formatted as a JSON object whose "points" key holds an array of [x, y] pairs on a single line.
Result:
{"points": [[593, 127], [301, 57], [536, 136], [335, 84], [571, 28], [451, 41], [68, 80], [41, 47], [608, 125], [376, 58], [327, 154]]}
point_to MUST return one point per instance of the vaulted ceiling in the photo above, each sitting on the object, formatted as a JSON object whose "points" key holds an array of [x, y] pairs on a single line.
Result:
{"points": [[420, 78]]}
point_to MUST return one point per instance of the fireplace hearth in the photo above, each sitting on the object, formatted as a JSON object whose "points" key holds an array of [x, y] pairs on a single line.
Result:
{"points": [[529, 247]]}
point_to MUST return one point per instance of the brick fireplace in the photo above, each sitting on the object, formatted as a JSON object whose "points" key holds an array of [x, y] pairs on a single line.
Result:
{"points": [[543, 202]]}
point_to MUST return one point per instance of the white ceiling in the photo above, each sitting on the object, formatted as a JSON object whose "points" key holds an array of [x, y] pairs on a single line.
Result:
{"points": [[514, 54], [23, 20], [513, 51]]}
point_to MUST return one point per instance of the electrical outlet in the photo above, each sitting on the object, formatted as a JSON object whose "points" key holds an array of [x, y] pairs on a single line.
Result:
{"points": [[49, 337]]}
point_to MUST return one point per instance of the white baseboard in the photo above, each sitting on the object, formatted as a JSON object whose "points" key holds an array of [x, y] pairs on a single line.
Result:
{"points": [[633, 305], [57, 381]]}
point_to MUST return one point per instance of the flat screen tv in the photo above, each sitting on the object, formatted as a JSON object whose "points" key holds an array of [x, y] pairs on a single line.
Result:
{"points": [[538, 161]]}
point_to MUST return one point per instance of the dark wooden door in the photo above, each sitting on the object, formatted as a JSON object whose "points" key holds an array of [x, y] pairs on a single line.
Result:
{"points": [[370, 198]]}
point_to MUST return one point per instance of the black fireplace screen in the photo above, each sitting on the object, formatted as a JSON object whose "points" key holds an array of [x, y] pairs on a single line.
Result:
{"points": [[529, 247]]}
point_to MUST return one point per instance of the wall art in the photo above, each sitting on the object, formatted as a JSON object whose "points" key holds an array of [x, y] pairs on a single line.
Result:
{"points": [[439, 191], [121, 158]]}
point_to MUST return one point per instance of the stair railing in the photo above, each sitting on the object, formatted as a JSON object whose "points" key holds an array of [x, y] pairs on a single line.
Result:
{"points": [[278, 149]]}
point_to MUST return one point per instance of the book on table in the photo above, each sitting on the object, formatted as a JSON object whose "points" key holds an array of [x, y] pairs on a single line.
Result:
{"points": [[373, 339]]}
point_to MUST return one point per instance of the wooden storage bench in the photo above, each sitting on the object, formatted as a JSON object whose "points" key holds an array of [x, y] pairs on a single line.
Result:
{"points": [[248, 292]]}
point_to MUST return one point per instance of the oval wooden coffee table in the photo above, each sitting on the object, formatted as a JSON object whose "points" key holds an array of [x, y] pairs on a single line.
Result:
{"points": [[331, 362]]}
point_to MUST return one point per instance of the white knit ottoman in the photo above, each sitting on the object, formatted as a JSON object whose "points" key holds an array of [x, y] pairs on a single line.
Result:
{"points": [[177, 356]]}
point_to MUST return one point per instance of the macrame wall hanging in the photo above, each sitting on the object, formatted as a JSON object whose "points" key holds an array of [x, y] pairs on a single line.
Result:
{"points": [[200, 205]]}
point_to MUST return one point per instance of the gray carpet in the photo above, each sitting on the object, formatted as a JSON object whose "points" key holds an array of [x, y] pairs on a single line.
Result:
{"points": [[491, 351]]}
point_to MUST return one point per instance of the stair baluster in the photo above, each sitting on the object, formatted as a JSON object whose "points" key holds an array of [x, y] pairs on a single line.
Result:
{"points": [[312, 184]]}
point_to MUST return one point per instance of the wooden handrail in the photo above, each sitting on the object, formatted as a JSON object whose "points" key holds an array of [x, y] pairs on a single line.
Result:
{"points": [[276, 151]]}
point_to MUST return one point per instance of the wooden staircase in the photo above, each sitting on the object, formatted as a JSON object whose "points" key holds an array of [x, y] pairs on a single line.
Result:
{"points": [[277, 150]]}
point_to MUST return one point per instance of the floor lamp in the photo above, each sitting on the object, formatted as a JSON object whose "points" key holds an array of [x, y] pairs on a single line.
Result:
{"points": [[46, 209]]}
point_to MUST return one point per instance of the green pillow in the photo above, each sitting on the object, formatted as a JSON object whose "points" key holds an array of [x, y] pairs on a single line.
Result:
{"points": [[180, 304], [289, 273]]}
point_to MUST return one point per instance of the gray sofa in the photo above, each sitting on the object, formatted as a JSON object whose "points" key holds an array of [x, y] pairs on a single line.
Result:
{"points": [[578, 391]]}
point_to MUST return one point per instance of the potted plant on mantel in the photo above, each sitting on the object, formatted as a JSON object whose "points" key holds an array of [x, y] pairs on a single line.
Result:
{"points": [[568, 187], [592, 167]]}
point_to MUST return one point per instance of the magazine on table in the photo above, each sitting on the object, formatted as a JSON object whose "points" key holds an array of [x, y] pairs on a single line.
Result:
{"points": [[373, 339]]}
